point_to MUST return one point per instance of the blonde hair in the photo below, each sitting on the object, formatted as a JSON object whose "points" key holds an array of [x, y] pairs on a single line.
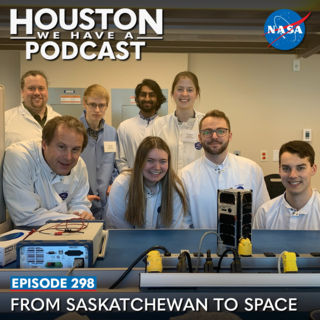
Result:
{"points": [[96, 91], [170, 183]]}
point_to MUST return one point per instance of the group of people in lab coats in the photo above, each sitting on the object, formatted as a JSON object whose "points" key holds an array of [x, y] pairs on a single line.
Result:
{"points": [[153, 172]]}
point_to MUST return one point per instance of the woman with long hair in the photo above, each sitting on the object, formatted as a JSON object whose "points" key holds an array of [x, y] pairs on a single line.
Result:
{"points": [[150, 195], [180, 129]]}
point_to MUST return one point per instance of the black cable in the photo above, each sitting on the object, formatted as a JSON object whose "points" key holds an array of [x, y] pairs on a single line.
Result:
{"points": [[182, 264], [208, 266], [220, 245], [189, 261], [235, 254], [167, 253]]}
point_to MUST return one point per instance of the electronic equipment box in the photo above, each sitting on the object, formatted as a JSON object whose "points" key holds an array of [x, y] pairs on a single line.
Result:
{"points": [[8, 243], [234, 215], [45, 249]]}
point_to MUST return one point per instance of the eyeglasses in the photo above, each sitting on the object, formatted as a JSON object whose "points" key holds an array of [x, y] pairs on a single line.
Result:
{"points": [[220, 132], [145, 94], [93, 105]]}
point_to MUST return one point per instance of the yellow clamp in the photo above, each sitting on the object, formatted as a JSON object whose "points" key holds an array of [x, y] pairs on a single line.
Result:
{"points": [[289, 261], [154, 261], [245, 247]]}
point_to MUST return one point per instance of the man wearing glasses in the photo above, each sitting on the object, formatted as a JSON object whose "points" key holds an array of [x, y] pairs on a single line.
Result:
{"points": [[99, 155], [219, 169], [131, 132]]}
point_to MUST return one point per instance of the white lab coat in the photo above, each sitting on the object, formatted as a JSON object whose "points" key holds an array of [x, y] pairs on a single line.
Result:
{"points": [[31, 189], [183, 152], [21, 125], [203, 178], [117, 206], [278, 214], [130, 134]]}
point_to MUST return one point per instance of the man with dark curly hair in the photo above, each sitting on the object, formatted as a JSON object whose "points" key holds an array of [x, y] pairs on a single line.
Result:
{"points": [[131, 132]]}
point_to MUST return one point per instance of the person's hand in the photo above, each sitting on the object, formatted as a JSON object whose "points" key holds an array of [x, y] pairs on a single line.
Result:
{"points": [[85, 215], [92, 197], [108, 190]]}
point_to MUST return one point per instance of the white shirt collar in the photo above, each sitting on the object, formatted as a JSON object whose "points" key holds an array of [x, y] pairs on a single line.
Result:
{"points": [[219, 167], [149, 192], [304, 210], [190, 120]]}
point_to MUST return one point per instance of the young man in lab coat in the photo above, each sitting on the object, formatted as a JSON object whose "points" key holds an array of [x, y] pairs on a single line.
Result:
{"points": [[218, 169], [99, 154], [27, 120], [131, 132], [299, 207]]}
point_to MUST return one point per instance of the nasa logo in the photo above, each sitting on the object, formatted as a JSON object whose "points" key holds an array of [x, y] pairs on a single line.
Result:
{"points": [[63, 195], [198, 145], [284, 29]]}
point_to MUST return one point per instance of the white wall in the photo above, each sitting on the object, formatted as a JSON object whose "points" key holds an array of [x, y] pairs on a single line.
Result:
{"points": [[10, 77], [267, 103]]}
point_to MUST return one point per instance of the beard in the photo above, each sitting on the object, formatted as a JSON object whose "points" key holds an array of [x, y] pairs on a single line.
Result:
{"points": [[216, 151], [39, 105], [147, 108]]}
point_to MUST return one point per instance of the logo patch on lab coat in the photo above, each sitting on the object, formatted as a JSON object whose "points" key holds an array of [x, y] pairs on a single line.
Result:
{"points": [[63, 195], [198, 145], [239, 186]]}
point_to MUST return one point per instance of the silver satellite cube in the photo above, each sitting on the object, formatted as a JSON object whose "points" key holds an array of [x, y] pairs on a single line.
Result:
{"points": [[234, 215]]}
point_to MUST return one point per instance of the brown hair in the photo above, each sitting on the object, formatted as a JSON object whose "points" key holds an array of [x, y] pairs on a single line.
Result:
{"points": [[170, 183], [301, 148], [49, 129], [215, 114], [32, 73], [189, 75], [96, 91]]}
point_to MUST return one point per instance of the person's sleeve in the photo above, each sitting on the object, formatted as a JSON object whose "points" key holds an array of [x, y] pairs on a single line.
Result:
{"points": [[156, 128], [79, 201], [180, 220], [23, 204], [259, 219], [121, 158], [187, 221], [262, 194], [177, 213], [115, 171], [117, 206]]}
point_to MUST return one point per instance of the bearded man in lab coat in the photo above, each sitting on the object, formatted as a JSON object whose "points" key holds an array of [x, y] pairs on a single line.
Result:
{"points": [[219, 169], [131, 132], [27, 120]]}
